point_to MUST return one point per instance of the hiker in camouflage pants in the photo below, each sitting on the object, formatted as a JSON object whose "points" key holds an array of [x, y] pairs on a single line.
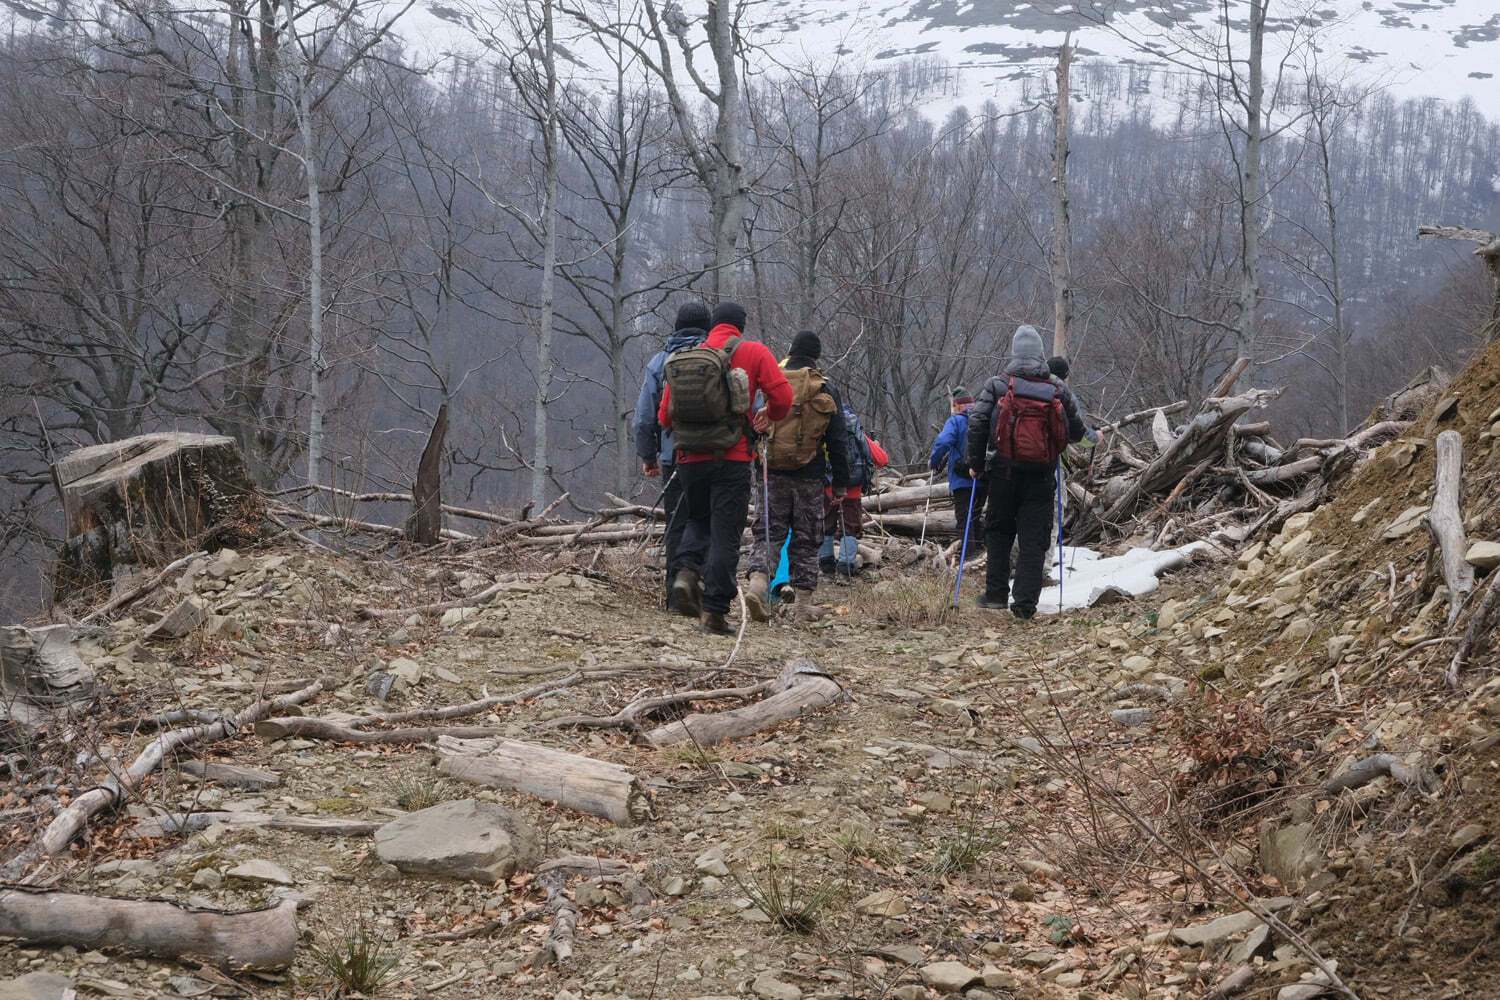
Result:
{"points": [[796, 506]]}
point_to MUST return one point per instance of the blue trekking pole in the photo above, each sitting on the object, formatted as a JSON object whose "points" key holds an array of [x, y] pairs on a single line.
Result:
{"points": [[963, 555]]}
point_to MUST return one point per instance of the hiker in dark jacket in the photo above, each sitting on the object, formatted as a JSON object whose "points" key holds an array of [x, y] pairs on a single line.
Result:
{"points": [[653, 445], [716, 484], [1021, 494], [796, 494]]}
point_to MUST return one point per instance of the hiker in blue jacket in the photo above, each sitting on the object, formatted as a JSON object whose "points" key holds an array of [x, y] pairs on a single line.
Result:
{"points": [[948, 453], [653, 445]]}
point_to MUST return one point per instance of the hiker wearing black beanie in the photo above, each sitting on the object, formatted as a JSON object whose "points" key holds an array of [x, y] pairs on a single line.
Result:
{"points": [[653, 446]]}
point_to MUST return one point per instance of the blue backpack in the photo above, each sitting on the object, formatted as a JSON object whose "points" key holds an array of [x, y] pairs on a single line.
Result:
{"points": [[861, 462]]}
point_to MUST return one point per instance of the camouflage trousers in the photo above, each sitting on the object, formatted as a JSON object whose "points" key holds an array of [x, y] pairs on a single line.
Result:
{"points": [[796, 507]]}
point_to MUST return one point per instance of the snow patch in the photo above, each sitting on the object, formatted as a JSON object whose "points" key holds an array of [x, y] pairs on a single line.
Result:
{"points": [[1088, 576]]}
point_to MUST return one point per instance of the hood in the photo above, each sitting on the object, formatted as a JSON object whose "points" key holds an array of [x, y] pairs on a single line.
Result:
{"points": [[1030, 367], [684, 338]]}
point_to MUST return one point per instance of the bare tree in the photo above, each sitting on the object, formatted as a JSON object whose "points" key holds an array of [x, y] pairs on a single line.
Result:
{"points": [[1062, 222]]}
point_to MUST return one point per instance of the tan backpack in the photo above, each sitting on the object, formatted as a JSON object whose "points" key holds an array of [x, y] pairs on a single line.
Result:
{"points": [[796, 438]]}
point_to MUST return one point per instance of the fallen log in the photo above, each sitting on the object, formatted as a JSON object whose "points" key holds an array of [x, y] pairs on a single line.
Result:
{"points": [[939, 523], [309, 728], [1445, 521], [801, 688], [472, 708], [613, 536], [905, 497], [346, 524], [117, 787], [1364, 771], [263, 940], [557, 948], [465, 512], [571, 780], [629, 717]]}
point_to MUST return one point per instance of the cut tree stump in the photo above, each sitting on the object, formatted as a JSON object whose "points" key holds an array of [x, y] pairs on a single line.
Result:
{"points": [[802, 688], [571, 780], [147, 500], [40, 674], [251, 940]]}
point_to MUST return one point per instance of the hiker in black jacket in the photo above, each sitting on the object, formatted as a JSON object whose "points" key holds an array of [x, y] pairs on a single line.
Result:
{"points": [[1018, 427]]}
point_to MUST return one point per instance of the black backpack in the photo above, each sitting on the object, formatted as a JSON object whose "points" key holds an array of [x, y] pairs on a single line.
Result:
{"points": [[861, 462]]}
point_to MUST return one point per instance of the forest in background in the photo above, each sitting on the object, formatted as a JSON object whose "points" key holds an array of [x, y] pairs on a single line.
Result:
{"points": [[509, 235]]}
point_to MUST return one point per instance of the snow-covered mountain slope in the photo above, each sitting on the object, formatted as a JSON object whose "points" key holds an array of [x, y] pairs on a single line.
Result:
{"points": [[1001, 50]]}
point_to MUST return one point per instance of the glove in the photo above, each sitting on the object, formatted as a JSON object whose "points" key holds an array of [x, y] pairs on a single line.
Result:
{"points": [[962, 470]]}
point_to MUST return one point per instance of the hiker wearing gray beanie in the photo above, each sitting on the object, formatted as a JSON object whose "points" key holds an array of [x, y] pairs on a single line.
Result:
{"points": [[1018, 428]]}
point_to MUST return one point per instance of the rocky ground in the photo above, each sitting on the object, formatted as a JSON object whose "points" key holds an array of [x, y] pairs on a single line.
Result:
{"points": [[1084, 806]]}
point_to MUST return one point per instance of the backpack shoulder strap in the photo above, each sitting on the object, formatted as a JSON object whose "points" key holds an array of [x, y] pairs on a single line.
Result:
{"points": [[731, 345]]}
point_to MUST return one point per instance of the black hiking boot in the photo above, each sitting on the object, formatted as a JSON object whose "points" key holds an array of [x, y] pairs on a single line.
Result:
{"points": [[1025, 614], [687, 594], [827, 564], [714, 623], [992, 602]]}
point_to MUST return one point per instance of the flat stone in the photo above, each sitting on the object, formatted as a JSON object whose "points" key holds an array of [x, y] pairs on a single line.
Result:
{"points": [[36, 986], [1406, 522], [768, 987], [405, 670], [1226, 927], [711, 862], [884, 903], [187, 615], [906, 954], [950, 977], [1254, 943], [1467, 836], [462, 839], [1130, 717], [231, 775], [260, 870], [1289, 853], [1483, 555]]}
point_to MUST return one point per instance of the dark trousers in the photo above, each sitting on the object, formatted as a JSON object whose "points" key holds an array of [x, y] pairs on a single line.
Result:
{"points": [[717, 494], [1020, 510], [674, 508], [961, 514]]}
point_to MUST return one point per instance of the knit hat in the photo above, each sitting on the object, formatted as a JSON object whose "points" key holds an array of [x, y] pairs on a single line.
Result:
{"points": [[729, 312], [1058, 365], [1027, 344], [806, 344], [692, 316]]}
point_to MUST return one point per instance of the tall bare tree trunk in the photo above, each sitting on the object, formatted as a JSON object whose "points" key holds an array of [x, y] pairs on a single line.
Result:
{"points": [[1247, 324], [1335, 263], [544, 360], [728, 194], [317, 369], [1062, 223]]}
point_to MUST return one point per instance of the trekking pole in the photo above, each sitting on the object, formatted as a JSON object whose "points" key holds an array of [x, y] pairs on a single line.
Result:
{"points": [[765, 502], [926, 508], [1062, 485], [963, 554], [671, 518]]}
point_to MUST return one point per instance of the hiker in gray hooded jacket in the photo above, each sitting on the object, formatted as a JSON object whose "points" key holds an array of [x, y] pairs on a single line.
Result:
{"points": [[1018, 427]]}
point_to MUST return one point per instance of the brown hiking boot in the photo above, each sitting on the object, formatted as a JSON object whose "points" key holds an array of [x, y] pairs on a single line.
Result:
{"points": [[687, 594], [758, 597], [715, 623]]}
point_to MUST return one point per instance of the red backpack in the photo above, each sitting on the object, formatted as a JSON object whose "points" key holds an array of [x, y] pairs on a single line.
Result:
{"points": [[1029, 424]]}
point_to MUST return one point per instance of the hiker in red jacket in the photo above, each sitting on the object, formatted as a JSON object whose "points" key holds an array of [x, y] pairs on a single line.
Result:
{"points": [[714, 465]]}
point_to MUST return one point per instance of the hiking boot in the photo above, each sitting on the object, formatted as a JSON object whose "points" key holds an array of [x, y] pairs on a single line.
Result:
{"points": [[828, 565], [848, 570], [687, 594], [758, 597], [786, 594], [992, 602], [1025, 614], [715, 623]]}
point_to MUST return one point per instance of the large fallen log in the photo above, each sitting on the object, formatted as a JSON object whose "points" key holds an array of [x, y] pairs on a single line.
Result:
{"points": [[263, 939], [118, 786], [939, 523], [1446, 521], [906, 497], [147, 500], [571, 780], [802, 688]]}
